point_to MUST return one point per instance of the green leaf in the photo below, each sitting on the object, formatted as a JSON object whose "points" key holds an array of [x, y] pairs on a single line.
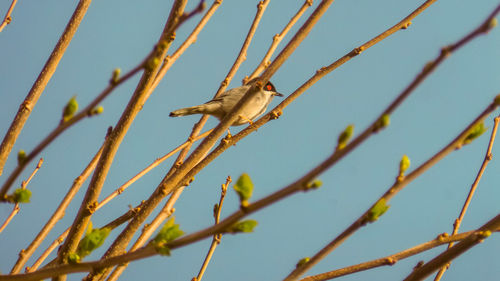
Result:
{"points": [[242, 226], [244, 187], [378, 210], [169, 232], [21, 157], [21, 195], [475, 132], [74, 258], [345, 136], [93, 239], [404, 164], [302, 262], [70, 109]]}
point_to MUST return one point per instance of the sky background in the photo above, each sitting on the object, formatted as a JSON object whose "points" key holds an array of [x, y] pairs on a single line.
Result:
{"points": [[120, 34]]}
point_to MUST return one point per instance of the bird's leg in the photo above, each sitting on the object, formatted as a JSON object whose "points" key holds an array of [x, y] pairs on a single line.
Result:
{"points": [[246, 119]]}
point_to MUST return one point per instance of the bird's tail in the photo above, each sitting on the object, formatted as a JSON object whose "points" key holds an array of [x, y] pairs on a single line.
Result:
{"points": [[187, 111]]}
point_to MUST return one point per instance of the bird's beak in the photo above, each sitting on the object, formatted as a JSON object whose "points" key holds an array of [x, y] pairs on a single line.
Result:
{"points": [[277, 94]]}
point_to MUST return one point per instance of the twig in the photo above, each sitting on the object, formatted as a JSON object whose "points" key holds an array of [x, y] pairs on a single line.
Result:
{"points": [[48, 70], [389, 260], [112, 143], [86, 112], [217, 237], [16, 208], [475, 238], [146, 170], [25, 254], [7, 19], [277, 111], [276, 40], [123, 239], [191, 39], [458, 221], [399, 185]]}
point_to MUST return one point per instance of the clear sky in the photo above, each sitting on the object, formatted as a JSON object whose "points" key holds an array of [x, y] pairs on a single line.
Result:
{"points": [[120, 33]]}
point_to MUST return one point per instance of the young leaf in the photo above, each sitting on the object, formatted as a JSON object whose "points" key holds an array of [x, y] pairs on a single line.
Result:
{"points": [[242, 226], [92, 240], [169, 232], [345, 136], [475, 132], [21, 195], [70, 109], [378, 210], [404, 164], [244, 187]]}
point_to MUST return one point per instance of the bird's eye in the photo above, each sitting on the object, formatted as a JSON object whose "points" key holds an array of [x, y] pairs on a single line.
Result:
{"points": [[268, 87]]}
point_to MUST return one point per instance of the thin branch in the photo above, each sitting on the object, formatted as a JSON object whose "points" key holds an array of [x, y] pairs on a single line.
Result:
{"points": [[146, 170], [475, 238], [36, 90], [25, 254], [400, 184], [217, 237], [16, 208], [113, 142], [458, 221], [389, 260], [123, 239], [277, 111], [276, 40], [63, 126], [8, 19]]}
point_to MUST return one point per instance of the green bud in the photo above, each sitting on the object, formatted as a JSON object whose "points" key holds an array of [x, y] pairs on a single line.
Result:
{"points": [[378, 210], [492, 24], [383, 122], [152, 63], [242, 226], [74, 258], [169, 232], [404, 164], [70, 109], [302, 262], [244, 187], [97, 110], [21, 157], [345, 136], [474, 133], [21, 195], [115, 76], [314, 185], [93, 239]]}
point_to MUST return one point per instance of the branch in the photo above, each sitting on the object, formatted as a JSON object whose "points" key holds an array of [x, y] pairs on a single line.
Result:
{"points": [[399, 185], [16, 208], [458, 221], [123, 239], [113, 142], [217, 237], [63, 126], [276, 40], [25, 254], [477, 237], [7, 19], [40, 83], [389, 260]]}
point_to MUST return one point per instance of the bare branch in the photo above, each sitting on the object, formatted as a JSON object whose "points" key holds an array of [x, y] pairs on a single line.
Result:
{"points": [[36, 91], [8, 19]]}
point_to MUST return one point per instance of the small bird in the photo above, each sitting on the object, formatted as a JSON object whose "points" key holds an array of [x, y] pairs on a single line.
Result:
{"points": [[223, 104]]}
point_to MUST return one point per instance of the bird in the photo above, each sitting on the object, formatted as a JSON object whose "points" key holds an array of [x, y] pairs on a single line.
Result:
{"points": [[220, 106]]}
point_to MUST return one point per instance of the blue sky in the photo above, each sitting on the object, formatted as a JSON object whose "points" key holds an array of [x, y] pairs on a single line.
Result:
{"points": [[117, 34]]}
